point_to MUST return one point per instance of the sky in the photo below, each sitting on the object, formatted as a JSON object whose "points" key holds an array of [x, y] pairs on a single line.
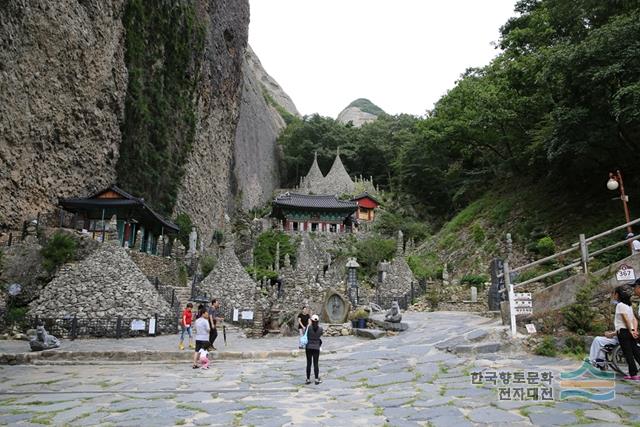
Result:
{"points": [[403, 55]]}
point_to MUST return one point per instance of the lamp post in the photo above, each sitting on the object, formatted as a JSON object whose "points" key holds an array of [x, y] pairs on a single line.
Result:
{"points": [[615, 182]]}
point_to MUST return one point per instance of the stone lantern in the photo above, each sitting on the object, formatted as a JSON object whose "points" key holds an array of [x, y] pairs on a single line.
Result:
{"points": [[352, 281]]}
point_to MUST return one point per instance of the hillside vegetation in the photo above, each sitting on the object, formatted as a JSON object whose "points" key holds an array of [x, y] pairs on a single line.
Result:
{"points": [[522, 145]]}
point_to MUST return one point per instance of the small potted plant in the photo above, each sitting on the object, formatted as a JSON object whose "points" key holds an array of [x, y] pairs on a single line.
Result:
{"points": [[359, 318]]}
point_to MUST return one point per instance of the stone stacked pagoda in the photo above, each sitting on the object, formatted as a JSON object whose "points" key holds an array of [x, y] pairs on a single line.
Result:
{"points": [[337, 181]]}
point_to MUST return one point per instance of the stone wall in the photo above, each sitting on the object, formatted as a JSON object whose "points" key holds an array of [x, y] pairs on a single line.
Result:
{"points": [[165, 269], [397, 280], [62, 88], [104, 285]]}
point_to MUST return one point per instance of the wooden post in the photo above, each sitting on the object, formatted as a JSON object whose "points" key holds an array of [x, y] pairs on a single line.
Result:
{"points": [[10, 239], [103, 228], [74, 327], [584, 254], [118, 327]]}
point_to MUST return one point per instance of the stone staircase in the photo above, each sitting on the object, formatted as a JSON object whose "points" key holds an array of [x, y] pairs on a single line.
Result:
{"points": [[183, 295]]}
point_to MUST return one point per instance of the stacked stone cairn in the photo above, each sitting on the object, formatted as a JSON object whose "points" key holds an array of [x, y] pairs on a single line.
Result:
{"points": [[106, 284], [230, 283]]}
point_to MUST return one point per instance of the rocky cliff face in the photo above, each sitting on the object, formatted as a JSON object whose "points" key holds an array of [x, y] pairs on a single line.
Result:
{"points": [[62, 88], [256, 155], [205, 192]]}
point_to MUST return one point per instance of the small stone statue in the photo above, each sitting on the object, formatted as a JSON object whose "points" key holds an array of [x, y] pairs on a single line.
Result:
{"points": [[43, 341], [393, 315]]}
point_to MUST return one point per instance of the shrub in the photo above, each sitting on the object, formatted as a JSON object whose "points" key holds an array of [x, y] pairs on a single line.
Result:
{"points": [[16, 314], [547, 347], [371, 251], [477, 233], [217, 236], [183, 221], [389, 223], [475, 280], [545, 246], [360, 313], [207, 264], [425, 267], [433, 297], [261, 272], [59, 249], [183, 276], [574, 345], [579, 317], [265, 250]]}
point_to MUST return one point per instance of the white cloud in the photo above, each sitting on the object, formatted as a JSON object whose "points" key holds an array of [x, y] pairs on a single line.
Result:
{"points": [[403, 55]]}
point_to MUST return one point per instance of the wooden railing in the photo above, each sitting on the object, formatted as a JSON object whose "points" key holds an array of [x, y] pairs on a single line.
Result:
{"points": [[583, 262]]}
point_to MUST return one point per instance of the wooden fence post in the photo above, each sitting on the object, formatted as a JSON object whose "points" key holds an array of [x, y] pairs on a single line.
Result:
{"points": [[584, 254]]}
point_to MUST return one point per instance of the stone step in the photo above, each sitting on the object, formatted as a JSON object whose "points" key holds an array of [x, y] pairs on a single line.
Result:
{"points": [[369, 333]]}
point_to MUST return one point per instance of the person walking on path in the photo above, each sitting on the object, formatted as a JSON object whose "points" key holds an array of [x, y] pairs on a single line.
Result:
{"points": [[202, 335], [303, 320], [214, 318], [185, 323], [314, 332], [627, 329]]}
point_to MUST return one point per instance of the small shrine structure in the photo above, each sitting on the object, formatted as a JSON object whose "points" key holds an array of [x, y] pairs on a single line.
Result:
{"points": [[134, 218]]}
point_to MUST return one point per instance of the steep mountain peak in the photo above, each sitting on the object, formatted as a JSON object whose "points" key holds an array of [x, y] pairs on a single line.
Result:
{"points": [[359, 112]]}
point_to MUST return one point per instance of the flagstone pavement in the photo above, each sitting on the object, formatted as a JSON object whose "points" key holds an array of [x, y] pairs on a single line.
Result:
{"points": [[403, 380]]}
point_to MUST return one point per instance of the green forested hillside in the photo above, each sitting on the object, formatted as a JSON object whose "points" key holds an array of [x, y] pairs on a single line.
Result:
{"points": [[538, 129]]}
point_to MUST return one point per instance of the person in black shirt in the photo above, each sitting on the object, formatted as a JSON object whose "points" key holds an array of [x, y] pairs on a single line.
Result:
{"points": [[303, 320]]}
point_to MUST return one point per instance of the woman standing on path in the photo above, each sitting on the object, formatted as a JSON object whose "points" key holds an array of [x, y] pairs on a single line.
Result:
{"points": [[314, 332], [202, 334], [627, 330]]}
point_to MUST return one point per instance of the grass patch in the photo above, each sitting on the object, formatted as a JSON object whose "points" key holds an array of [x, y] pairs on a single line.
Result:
{"points": [[189, 407], [181, 422], [443, 390], [443, 368], [378, 412], [47, 382]]}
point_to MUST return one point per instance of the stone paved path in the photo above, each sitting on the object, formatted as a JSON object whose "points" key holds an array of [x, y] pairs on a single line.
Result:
{"points": [[396, 381]]}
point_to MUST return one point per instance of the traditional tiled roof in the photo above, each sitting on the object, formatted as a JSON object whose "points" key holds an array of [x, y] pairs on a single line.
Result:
{"points": [[294, 200], [365, 195], [136, 205]]}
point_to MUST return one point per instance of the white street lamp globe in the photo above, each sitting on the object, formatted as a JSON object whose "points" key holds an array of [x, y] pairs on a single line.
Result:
{"points": [[612, 184]]}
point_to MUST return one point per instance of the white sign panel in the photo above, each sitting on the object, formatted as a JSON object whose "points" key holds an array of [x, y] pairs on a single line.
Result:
{"points": [[247, 315], [523, 303], [625, 273], [531, 328], [152, 326], [138, 325], [235, 314], [522, 296], [523, 311]]}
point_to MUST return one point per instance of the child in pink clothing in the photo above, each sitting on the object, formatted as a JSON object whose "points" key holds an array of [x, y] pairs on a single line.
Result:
{"points": [[203, 358]]}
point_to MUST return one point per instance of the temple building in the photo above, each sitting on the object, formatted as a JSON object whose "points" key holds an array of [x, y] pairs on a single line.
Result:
{"points": [[321, 213], [367, 205], [136, 223]]}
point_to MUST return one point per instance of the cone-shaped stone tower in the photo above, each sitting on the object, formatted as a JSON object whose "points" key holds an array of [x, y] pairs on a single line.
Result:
{"points": [[338, 180]]}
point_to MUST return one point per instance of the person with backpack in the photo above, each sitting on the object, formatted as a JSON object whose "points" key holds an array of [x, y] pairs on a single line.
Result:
{"points": [[312, 349], [185, 324]]}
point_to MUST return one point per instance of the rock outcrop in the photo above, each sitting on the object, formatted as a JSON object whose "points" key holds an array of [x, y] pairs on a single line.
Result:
{"points": [[104, 285], [62, 88], [359, 112], [257, 156], [205, 192]]}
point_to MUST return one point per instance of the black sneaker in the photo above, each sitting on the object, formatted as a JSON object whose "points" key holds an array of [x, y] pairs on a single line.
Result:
{"points": [[308, 381], [318, 381]]}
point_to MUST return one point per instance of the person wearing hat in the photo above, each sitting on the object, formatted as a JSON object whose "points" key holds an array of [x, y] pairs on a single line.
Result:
{"points": [[314, 332]]}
